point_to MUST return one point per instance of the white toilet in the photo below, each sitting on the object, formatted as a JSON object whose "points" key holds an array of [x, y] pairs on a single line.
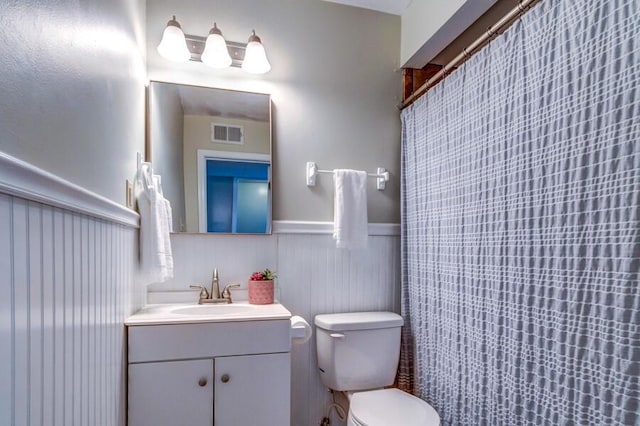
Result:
{"points": [[358, 354]]}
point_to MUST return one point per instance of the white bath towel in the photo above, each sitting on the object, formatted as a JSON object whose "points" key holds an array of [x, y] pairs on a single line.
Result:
{"points": [[350, 224], [156, 256]]}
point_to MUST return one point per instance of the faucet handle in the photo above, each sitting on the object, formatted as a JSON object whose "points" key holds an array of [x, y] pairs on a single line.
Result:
{"points": [[226, 292], [204, 294]]}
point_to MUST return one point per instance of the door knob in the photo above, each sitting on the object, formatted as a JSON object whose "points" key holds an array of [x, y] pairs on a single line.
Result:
{"points": [[202, 382], [224, 378]]}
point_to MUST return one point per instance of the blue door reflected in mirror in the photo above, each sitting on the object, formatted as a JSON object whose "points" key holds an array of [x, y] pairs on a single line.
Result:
{"points": [[237, 196]]}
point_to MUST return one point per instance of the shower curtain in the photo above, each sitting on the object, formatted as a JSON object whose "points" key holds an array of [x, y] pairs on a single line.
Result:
{"points": [[521, 231]]}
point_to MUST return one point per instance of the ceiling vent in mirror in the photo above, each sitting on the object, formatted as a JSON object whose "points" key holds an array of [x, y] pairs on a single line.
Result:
{"points": [[225, 133]]}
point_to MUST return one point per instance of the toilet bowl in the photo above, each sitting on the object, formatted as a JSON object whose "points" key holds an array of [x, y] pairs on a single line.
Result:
{"points": [[358, 354], [389, 407]]}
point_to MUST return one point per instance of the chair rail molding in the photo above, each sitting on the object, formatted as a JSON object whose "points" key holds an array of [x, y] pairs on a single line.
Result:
{"points": [[309, 227], [27, 181]]}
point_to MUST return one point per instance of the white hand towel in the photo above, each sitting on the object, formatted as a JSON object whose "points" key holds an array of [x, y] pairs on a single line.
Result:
{"points": [[350, 224], [155, 245], [165, 217]]}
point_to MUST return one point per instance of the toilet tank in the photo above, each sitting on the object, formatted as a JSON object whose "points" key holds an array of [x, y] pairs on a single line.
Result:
{"points": [[358, 350]]}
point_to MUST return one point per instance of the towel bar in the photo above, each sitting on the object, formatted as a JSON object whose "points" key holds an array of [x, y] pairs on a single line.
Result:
{"points": [[382, 175], [141, 163]]}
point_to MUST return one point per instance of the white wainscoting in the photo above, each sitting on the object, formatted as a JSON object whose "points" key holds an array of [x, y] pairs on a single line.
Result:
{"points": [[313, 277], [67, 283], [235, 256]]}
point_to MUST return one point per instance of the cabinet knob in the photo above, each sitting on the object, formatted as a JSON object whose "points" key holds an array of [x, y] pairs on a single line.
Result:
{"points": [[202, 382], [224, 378]]}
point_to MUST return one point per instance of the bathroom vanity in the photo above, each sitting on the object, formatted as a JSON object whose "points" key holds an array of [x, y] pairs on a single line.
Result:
{"points": [[202, 365]]}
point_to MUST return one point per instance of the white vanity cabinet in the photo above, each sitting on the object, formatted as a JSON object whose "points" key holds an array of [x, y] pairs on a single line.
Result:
{"points": [[205, 374]]}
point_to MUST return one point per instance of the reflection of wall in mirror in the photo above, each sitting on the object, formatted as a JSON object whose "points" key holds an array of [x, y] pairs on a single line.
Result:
{"points": [[166, 131], [197, 135]]}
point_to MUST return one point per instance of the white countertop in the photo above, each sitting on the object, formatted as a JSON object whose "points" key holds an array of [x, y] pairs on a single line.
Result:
{"points": [[189, 313]]}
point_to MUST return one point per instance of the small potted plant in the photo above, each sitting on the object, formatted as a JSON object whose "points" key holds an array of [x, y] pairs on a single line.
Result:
{"points": [[261, 287]]}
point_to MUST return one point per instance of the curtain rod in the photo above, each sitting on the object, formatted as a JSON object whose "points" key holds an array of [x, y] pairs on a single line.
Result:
{"points": [[467, 52]]}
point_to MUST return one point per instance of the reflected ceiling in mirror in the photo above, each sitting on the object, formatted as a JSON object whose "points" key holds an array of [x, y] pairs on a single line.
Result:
{"points": [[212, 149]]}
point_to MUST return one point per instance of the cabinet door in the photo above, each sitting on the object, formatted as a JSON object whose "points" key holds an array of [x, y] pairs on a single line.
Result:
{"points": [[253, 390], [171, 393]]}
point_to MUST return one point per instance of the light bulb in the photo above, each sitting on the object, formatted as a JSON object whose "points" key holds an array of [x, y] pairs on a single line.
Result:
{"points": [[216, 54], [173, 45], [255, 58]]}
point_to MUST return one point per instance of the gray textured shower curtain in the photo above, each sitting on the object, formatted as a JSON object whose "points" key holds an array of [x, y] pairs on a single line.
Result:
{"points": [[521, 227]]}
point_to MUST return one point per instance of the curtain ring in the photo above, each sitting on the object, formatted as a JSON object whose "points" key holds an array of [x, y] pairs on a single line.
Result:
{"points": [[521, 8]]}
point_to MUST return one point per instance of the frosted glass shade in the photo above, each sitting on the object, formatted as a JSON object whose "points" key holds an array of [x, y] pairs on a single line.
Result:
{"points": [[216, 54], [255, 58], [173, 45]]}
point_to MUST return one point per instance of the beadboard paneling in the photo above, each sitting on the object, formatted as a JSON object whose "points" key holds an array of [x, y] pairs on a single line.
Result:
{"points": [[235, 256], [68, 284]]}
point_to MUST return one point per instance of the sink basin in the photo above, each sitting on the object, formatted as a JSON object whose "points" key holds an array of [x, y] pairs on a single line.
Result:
{"points": [[194, 314], [213, 310]]}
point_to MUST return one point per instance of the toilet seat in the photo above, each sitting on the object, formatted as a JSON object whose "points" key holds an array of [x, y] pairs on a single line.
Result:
{"points": [[390, 407]]}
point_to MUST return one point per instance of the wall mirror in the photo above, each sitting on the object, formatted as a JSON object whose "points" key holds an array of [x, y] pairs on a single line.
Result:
{"points": [[212, 149]]}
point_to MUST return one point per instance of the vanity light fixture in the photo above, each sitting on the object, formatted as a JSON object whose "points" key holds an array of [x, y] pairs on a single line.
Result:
{"points": [[173, 45], [214, 50]]}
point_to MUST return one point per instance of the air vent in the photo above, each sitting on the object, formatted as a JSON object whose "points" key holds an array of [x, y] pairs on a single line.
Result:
{"points": [[225, 133]]}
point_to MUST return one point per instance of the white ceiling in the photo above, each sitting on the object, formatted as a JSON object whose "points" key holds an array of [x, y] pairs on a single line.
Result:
{"points": [[224, 103], [395, 7]]}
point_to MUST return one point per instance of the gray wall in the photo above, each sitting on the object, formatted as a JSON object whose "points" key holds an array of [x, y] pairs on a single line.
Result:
{"points": [[166, 134], [334, 85], [72, 89]]}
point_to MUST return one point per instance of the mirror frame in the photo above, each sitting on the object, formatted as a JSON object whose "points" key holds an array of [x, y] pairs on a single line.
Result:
{"points": [[200, 187]]}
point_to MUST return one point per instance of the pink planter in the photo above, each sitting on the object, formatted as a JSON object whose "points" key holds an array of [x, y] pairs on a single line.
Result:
{"points": [[261, 292]]}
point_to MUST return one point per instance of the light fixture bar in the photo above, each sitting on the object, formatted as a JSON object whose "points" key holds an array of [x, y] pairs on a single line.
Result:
{"points": [[196, 47]]}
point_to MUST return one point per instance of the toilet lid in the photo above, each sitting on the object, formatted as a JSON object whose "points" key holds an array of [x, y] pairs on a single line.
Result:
{"points": [[388, 407]]}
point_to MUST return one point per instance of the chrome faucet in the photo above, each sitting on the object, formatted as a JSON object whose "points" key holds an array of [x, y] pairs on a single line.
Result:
{"points": [[215, 289], [215, 296]]}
